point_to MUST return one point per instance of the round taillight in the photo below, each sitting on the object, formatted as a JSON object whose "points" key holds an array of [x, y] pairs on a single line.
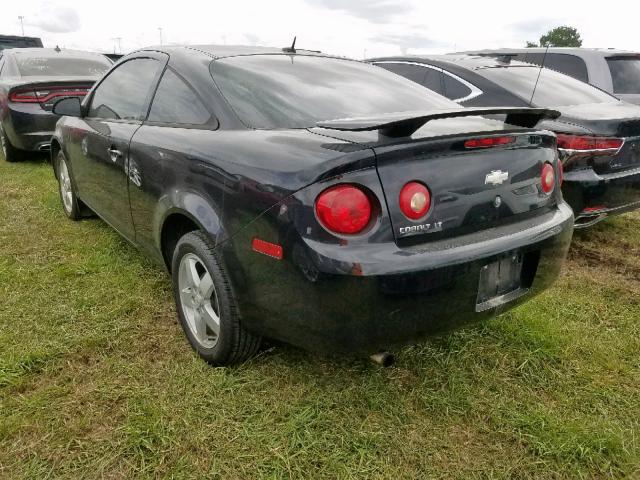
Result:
{"points": [[344, 209], [548, 178], [415, 200]]}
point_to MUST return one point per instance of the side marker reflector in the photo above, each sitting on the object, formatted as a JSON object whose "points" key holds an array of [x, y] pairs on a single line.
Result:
{"points": [[269, 249]]}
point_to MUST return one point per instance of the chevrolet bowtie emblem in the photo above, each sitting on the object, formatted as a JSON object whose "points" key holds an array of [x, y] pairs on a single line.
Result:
{"points": [[496, 177]]}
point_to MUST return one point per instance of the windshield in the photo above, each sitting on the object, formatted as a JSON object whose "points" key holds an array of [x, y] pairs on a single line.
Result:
{"points": [[296, 91], [62, 66], [554, 89], [625, 74]]}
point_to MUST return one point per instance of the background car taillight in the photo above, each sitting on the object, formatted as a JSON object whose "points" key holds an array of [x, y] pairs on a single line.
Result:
{"points": [[344, 209], [23, 96], [548, 178], [585, 143], [415, 200], [46, 94], [488, 142]]}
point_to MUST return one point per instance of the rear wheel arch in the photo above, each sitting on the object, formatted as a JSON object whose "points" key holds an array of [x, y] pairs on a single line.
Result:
{"points": [[179, 213], [174, 227], [55, 148]]}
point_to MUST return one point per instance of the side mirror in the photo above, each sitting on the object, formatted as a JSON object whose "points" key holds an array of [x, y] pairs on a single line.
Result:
{"points": [[69, 106]]}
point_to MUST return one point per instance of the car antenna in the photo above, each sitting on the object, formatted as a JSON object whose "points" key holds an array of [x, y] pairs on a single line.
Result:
{"points": [[292, 48], [544, 57]]}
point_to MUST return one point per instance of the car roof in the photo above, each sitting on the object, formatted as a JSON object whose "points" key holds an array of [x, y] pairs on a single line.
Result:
{"points": [[581, 52], [222, 51]]}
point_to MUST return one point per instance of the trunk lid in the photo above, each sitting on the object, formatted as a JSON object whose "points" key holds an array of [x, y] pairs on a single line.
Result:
{"points": [[606, 119], [620, 120], [471, 189]]}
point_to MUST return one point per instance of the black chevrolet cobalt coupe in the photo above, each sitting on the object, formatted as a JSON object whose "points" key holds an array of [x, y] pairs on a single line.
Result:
{"points": [[316, 200]]}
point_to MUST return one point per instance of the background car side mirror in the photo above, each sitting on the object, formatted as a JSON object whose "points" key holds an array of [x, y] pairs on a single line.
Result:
{"points": [[69, 106]]}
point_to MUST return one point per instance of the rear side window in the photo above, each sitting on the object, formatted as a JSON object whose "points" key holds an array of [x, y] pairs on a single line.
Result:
{"points": [[412, 72], [625, 74], [434, 80], [455, 89], [63, 66], [561, 62], [176, 102], [425, 76], [123, 94]]}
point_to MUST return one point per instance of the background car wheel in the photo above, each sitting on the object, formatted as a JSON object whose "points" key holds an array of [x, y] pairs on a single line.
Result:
{"points": [[207, 305], [9, 152], [70, 202]]}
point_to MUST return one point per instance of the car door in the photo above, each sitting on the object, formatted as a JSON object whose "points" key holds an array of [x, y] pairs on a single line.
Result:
{"points": [[169, 153], [113, 114]]}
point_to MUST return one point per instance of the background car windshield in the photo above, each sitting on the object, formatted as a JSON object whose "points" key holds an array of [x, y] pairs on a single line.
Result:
{"points": [[554, 89], [64, 66], [283, 91], [625, 73]]}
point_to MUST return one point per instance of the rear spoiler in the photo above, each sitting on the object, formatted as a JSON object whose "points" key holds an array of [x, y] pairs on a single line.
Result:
{"points": [[405, 124]]}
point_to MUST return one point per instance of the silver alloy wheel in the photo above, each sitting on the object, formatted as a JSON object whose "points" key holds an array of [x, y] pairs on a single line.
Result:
{"points": [[65, 187], [199, 300]]}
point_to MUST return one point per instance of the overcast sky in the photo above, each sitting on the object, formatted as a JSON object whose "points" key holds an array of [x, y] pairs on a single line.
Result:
{"points": [[352, 28]]}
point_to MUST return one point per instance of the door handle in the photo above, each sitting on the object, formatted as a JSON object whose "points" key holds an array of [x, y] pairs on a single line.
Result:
{"points": [[114, 154]]}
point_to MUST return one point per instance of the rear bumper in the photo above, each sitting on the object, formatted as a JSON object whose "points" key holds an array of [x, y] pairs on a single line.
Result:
{"points": [[29, 127], [360, 301], [594, 197]]}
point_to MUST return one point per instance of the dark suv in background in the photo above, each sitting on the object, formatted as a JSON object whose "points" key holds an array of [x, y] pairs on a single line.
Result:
{"points": [[13, 41], [31, 79]]}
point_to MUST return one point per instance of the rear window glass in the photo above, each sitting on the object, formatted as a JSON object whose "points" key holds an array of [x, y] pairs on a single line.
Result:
{"points": [[19, 42], [625, 74], [554, 89], [297, 91], [561, 62], [63, 66]]}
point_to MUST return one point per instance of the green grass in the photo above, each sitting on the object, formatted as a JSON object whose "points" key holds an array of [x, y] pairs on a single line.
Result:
{"points": [[97, 380]]}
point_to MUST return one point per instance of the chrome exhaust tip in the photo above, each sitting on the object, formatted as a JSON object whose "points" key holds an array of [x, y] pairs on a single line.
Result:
{"points": [[587, 221]]}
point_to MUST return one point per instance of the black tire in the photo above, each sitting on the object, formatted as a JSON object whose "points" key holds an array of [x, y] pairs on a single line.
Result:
{"points": [[72, 207], [234, 343], [9, 152]]}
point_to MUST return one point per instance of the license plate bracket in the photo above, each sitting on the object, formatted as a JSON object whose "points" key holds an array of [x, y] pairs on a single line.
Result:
{"points": [[500, 282]]}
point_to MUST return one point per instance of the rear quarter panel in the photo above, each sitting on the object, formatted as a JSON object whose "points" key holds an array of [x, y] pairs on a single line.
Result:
{"points": [[232, 175]]}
